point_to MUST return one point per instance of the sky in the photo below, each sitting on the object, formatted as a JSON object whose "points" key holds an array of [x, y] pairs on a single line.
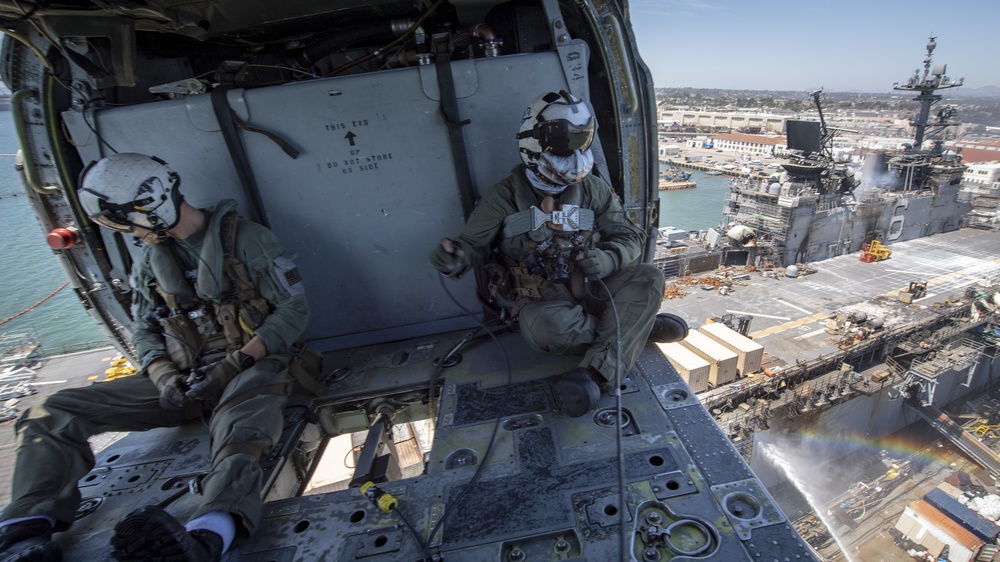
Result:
{"points": [[839, 45]]}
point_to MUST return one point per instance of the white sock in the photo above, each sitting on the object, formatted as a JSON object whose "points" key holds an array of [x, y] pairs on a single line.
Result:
{"points": [[218, 522]]}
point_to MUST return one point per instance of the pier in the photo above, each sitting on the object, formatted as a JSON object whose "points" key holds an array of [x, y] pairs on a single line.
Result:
{"points": [[710, 167]]}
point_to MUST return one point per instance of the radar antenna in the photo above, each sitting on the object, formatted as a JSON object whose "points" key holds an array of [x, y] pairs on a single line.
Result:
{"points": [[933, 79]]}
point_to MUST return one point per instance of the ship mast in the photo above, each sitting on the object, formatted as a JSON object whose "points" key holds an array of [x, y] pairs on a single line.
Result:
{"points": [[932, 80], [825, 135]]}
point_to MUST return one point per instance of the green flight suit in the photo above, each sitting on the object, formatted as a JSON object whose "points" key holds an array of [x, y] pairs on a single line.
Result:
{"points": [[52, 448], [573, 318]]}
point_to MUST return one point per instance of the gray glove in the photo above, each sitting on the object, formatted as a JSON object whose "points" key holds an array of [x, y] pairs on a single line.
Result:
{"points": [[169, 380], [450, 259], [598, 263], [215, 380]]}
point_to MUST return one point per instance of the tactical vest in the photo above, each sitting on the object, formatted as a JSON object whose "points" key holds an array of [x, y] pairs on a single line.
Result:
{"points": [[195, 330], [539, 242]]}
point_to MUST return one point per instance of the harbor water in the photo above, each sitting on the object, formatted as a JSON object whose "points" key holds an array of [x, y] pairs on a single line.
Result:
{"points": [[695, 209], [29, 271]]}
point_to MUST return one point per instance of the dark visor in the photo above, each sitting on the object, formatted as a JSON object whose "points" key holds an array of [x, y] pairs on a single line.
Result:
{"points": [[561, 137]]}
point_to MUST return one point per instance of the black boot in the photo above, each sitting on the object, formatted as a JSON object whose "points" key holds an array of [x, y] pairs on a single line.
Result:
{"points": [[668, 328], [151, 534], [29, 540], [575, 392]]}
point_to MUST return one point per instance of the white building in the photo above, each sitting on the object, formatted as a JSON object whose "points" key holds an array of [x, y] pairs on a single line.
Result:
{"points": [[699, 142], [983, 173], [756, 122], [750, 144], [884, 143], [923, 524], [668, 151]]}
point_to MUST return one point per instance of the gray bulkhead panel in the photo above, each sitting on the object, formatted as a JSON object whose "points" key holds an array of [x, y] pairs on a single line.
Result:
{"points": [[373, 188]]}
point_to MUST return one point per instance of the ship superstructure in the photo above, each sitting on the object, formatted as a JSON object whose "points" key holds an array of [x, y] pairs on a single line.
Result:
{"points": [[820, 207]]}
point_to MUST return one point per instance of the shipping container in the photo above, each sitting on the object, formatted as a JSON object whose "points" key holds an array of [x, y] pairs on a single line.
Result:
{"points": [[692, 368], [749, 354], [961, 514], [721, 361]]}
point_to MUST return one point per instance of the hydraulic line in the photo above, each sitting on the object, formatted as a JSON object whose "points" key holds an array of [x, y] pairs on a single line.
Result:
{"points": [[339, 39], [416, 25]]}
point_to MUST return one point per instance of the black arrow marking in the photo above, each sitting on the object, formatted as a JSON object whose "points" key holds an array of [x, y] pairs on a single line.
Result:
{"points": [[350, 137]]}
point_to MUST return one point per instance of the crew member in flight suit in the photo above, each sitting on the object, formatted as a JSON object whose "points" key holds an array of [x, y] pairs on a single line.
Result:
{"points": [[543, 233], [218, 306]]}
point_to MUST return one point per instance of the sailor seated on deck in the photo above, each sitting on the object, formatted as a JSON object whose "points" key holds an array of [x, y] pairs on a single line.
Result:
{"points": [[550, 237], [238, 362]]}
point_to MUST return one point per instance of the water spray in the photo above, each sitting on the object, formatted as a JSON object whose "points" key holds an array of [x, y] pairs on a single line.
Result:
{"points": [[773, 454]]}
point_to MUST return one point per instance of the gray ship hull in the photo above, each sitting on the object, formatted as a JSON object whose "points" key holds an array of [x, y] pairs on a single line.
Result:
{"points": [[804, 229], [826, 434], [790, 319]]}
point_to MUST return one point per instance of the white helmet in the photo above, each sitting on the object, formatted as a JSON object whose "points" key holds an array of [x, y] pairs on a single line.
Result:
{"points": [[126, 190], [556, 132]]}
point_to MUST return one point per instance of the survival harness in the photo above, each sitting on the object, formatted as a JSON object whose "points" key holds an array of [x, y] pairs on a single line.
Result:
{"points": [[551, 233], [190, 336], [243, 309]]}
